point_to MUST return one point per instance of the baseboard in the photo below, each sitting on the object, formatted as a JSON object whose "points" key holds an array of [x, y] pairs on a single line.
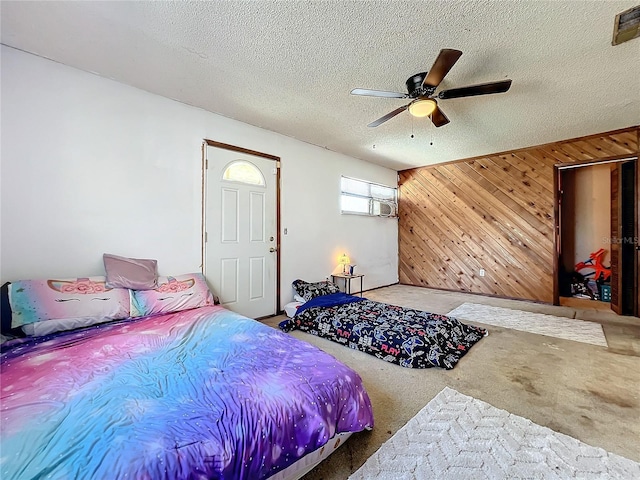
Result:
{"points": [[381, 286], [482, 294]]}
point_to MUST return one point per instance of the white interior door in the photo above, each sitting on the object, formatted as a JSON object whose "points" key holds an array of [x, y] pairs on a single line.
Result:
{"points": [[241, 231]]}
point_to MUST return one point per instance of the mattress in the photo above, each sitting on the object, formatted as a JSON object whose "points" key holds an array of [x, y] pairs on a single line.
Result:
{"points": [[404, 336], [291, 308], [202, 393]]}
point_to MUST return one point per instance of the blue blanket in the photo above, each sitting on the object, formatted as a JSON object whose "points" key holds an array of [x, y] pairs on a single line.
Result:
{"points": [[332, 300]]}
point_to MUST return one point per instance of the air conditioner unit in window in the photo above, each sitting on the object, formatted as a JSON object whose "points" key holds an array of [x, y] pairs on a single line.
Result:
{"points": [[387, 209]]}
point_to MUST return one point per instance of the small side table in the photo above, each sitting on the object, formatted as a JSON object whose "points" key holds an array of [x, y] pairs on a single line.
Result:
{"points": [[347, 281]]}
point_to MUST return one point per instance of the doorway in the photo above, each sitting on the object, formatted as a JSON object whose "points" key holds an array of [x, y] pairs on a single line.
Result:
{"points": [[597, 234], [241, 224]]}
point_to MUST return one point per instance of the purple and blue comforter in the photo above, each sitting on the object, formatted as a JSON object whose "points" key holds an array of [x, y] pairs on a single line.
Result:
{"points": [[405, 336], [203, 393]]}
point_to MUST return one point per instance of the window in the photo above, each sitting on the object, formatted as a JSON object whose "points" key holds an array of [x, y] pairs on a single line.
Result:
{"points": [[365, 198], [243, 172]]}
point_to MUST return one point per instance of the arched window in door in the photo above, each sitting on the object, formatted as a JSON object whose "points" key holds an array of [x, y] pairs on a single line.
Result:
{"points": [[242, 171]]}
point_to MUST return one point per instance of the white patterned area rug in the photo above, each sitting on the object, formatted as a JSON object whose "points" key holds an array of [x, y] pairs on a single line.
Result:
{"points": [[458, 437], [559, 327]]}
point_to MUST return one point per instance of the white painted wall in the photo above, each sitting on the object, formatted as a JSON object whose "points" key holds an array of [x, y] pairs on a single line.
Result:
{"points": [[89, 165]]}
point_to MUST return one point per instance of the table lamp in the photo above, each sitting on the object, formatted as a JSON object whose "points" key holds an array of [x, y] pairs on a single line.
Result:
{"points": [[344, 261]]}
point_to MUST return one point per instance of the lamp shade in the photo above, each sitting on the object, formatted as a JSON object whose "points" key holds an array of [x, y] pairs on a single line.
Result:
{"points": [[422, 107]]}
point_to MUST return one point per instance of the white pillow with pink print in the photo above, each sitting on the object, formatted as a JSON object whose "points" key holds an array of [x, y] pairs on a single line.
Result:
{"points": [[87, 300], [172, 294]]}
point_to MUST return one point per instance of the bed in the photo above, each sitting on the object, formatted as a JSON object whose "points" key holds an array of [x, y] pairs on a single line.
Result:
{"points": [[404, 336], [197, 393]]}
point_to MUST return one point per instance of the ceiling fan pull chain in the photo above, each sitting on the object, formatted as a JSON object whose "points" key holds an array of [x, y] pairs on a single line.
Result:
{"points": [[431, 130]]}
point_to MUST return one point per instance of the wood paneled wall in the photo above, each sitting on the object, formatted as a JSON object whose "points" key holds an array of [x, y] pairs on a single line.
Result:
{"points": [[494, 212]]}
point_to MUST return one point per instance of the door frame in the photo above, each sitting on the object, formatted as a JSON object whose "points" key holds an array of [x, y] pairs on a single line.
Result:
{"points": [[212, 143], [557, 245]]}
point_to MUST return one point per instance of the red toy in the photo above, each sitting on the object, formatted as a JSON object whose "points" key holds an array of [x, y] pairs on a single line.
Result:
{"points": [[595, 262]]}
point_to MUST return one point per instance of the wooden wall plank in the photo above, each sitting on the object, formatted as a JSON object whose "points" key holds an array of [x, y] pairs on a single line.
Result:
{"points": [[451, 221], [455, 215], [494, 212], [520, 193]]}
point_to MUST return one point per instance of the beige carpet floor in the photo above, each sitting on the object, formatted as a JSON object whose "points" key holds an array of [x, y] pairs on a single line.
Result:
{"points": [[585, 391]]}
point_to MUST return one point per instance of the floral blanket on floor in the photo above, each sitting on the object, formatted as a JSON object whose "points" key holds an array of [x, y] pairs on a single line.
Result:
{"points": [[405, 336]]}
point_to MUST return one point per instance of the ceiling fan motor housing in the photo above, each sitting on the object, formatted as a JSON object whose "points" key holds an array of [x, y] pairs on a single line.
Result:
{"points": [[416, 88]]}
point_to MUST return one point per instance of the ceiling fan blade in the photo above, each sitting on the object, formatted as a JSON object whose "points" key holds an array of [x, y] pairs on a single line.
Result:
{"points": [[473, 90], [446, 59], [377, 93], [439, 118], [388, 116]]}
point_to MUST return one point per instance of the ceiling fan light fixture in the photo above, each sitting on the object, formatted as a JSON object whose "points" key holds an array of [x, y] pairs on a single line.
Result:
{"points": [[422, 107]]}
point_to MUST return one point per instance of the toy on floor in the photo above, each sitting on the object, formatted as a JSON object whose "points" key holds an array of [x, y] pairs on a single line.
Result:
{"points": [[585, 288]]}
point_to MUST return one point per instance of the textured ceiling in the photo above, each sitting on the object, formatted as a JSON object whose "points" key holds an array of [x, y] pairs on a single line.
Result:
{"points": [[289, 66]]}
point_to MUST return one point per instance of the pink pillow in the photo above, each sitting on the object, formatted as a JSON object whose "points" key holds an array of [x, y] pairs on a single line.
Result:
{"points": [[132, 273]]}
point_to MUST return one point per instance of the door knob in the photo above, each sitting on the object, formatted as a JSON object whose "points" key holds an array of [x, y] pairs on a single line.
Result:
{"points": [[272, 249]]}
